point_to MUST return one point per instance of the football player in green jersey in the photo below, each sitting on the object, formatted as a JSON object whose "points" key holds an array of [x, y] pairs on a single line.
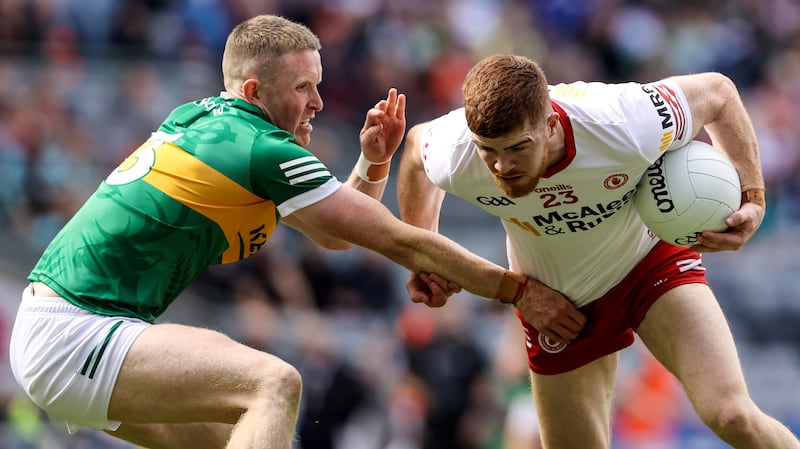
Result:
{"points": [[208, 187]]}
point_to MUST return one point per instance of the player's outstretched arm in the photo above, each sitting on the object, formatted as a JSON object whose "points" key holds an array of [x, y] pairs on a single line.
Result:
{"points": [[357, 218]]}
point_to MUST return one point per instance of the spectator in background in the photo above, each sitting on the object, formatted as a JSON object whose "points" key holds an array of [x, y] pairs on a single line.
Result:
{"points": [[333, 390], [647, 412], [519, 427], [40, 191], [451, 371], [359, 282]]}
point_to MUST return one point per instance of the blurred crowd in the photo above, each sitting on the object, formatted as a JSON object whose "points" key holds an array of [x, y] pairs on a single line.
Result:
{"points": [[84, 82]]}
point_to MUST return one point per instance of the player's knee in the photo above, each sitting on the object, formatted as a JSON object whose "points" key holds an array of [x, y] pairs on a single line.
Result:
{"points": [[282, 382], [290, 381], [732, 419]]}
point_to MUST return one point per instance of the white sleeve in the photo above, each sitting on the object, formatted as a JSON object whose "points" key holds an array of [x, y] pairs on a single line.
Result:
{"points": [[658, 117], [438, 146]]}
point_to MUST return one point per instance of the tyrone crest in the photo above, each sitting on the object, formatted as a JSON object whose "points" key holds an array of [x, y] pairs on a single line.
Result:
{"points": [[616, 181], [550, 346]]}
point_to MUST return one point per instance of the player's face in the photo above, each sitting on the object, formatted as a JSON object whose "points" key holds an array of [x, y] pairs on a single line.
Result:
{"points": [[290, 98], [516, 160]]}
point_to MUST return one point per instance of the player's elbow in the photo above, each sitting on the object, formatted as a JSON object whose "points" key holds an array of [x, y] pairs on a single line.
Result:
{"points": [[721, 88], [722, 83], [335, 244]]}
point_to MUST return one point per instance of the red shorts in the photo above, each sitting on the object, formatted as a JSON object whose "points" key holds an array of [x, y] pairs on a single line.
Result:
{"points": [[612, 318]]}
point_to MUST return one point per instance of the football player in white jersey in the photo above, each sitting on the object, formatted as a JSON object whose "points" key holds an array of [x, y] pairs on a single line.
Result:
{"points": [[558, 165]]}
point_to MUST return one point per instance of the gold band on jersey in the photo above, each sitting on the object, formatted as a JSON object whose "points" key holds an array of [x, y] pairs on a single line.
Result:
{"points": [[239, 213]]}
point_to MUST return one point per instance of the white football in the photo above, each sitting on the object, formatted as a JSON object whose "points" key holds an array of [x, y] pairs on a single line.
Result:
{"points": [[688, 191]]}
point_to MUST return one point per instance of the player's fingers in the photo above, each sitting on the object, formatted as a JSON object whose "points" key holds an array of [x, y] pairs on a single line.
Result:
{"points": [[437, 295], [447, 286], [564, 330], [706, 248], [437, 298], [452, 287], [430, 279], [577, 318], [417, 297], [369, 136], [434, 286], [400, 110], [415, 289], [388, 105], [574, 324], [391, 101], [553, 336], [374, 117], [736, 219], [720, 241], [436, 301]]}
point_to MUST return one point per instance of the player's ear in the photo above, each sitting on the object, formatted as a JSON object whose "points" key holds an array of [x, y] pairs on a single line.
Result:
{"points": [[552, 122], [250, 89]]}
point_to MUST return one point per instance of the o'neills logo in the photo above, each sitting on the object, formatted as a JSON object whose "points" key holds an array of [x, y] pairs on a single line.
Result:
{"points": [[658, 186]]}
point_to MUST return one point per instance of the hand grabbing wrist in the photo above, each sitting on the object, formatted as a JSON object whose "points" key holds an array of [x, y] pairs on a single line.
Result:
{"points": [[372, 172]]}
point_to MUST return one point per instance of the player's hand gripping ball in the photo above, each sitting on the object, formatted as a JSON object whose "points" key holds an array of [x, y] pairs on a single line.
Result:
{"points": [[688, 191]]}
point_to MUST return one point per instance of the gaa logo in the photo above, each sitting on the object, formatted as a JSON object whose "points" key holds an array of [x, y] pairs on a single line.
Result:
{"points": [[494, 201], [553, 347]]}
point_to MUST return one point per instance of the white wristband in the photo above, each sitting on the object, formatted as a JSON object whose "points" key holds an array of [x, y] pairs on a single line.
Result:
{"points": [[371, 172]]}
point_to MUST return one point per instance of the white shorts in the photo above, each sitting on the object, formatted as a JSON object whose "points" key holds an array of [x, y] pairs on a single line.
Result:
{"points": [[67, 359]]}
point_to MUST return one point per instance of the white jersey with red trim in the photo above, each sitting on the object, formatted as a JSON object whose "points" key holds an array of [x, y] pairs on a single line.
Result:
{"points": [[578, 231]]}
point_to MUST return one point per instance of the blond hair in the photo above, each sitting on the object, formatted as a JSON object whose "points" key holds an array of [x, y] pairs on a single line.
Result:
{"points": [[504, 92], [254, 45]]}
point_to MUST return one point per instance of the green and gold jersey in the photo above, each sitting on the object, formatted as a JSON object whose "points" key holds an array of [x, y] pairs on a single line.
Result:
{"points": [[208, 187]]}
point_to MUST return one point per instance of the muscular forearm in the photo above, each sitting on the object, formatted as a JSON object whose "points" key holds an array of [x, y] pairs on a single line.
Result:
{"points": [[434, 253], [351, 216], [732, 131]]}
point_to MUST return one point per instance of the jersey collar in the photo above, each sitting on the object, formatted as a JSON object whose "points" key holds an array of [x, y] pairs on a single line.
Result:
{"points": [[242, 104], [569, 142]]}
